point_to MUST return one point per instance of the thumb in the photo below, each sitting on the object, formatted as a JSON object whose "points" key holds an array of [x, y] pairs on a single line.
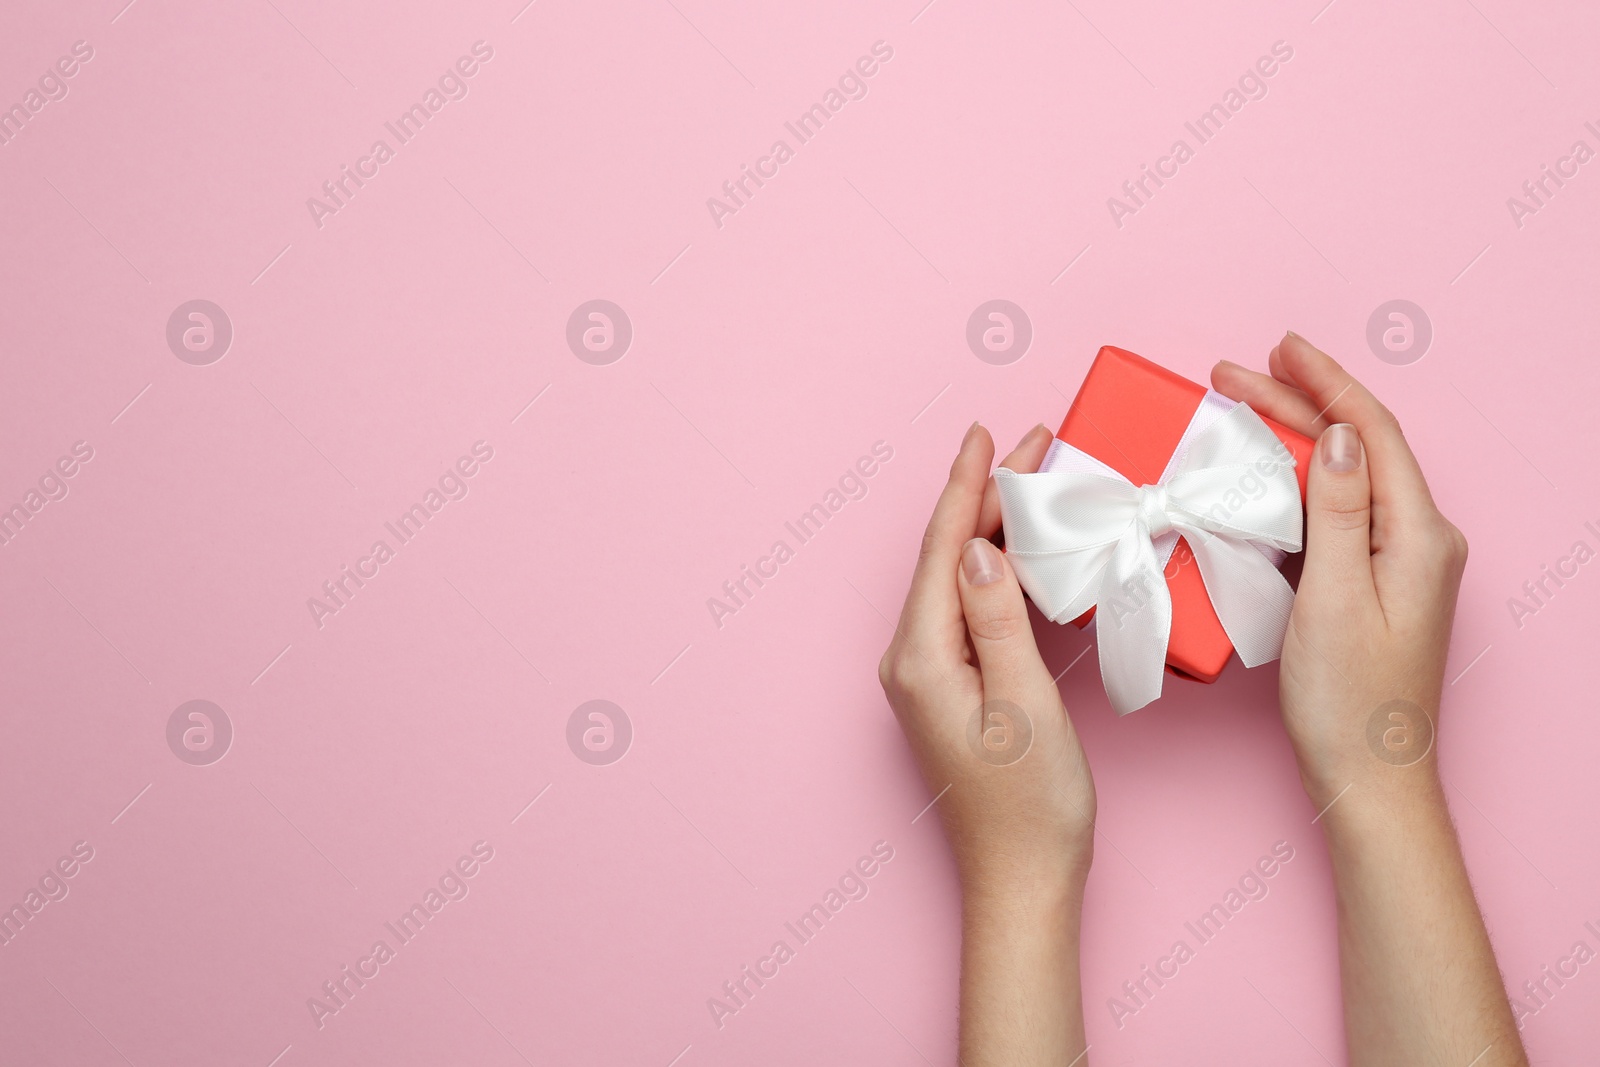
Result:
{"points": [[1338, 565], [997, 620]]}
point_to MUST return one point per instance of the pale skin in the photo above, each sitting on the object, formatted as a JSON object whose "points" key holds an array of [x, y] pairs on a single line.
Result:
{"points": [[1370, 627]]}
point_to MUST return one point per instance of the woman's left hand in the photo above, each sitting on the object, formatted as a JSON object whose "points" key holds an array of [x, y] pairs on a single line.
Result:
{"points": [[977, 703]]}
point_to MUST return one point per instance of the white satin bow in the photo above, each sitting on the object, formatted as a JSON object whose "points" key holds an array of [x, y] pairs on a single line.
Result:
{"points": [[1079, 534]]}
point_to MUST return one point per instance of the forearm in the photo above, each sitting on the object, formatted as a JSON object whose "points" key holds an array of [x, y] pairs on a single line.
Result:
{"points": [[1420, 981], [1021, 996]]}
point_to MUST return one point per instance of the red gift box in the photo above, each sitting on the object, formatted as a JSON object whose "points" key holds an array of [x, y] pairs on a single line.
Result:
{"points": [[1130, 414]]}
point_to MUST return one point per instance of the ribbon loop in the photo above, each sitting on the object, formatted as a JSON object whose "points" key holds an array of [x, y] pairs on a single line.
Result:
{"points": [[1080, 535]]}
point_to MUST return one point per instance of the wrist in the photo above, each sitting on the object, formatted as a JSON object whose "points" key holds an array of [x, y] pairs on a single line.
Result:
{"points": [[1036, 896], [1389, 749], [1393, 785], [1031, 931], [1385, 804]]}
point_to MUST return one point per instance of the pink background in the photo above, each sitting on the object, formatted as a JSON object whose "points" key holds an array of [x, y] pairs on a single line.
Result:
{"points": [[768, 354]]}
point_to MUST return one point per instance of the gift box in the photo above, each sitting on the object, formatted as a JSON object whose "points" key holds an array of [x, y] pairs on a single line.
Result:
{"points": [[1131, 415]]}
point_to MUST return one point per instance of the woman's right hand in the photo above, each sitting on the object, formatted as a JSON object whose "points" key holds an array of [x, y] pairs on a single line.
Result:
{"points": [[1362, 673], [1364, 657]]}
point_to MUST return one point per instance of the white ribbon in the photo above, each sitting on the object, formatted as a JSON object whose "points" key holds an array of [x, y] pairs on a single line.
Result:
{"points": [[1080, 535]]}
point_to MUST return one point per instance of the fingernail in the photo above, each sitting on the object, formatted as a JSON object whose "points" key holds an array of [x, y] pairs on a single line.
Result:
{"points": [[1341, 448], [970, 431], [980, 561], [1034, 433], [1291, 333]]}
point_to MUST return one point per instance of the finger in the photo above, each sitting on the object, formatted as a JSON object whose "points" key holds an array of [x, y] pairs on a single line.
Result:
{"points": [[933, 607], [1397, 481], [1275, 366], [1281, 403], [1024, 459], [997, 622], [1338, 569]]}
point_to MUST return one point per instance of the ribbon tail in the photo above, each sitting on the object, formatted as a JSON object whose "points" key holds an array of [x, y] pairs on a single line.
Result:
{"points": [[1133, 621], [1251, 598]]}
